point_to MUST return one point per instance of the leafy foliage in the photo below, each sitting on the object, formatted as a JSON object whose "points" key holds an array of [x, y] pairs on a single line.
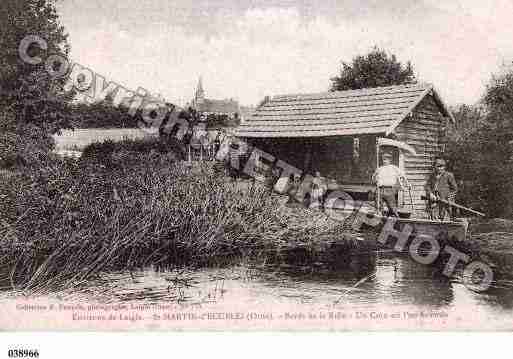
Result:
{"points": [[33, 106], [499, 102], [129, 152], [104, 114], [481, 156], [464, 155], [376, 69]]}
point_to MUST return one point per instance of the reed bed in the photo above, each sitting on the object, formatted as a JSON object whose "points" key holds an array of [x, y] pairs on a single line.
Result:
{"points": [[67, 221]]}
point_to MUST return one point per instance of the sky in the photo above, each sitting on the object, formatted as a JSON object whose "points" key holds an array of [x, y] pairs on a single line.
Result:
{"points": [[248, 49]]}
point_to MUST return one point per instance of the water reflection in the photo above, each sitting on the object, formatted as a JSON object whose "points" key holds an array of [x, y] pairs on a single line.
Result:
{"points": [[404, 281], [499, 296], [373, 278], [370, 279]]}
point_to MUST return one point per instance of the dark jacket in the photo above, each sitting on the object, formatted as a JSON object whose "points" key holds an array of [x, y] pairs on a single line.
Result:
{"points": [[443, 185]]}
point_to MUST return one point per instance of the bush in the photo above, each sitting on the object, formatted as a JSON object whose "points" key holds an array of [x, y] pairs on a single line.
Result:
{"points": [[25, 144], [129, 152]]}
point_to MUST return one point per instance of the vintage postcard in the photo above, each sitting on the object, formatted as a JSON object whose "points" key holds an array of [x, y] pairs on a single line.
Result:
{"points": [[256, 165]]}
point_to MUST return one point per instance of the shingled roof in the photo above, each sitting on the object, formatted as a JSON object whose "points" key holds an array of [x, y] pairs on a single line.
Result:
{"points": [[339, 113]]}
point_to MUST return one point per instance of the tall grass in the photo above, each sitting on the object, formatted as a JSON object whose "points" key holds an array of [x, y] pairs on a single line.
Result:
{"points": [[67, 221]]}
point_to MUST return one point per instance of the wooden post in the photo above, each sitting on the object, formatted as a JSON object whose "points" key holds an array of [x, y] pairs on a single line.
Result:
{"points": [[401, 195], [378, 194], [308, 157]]}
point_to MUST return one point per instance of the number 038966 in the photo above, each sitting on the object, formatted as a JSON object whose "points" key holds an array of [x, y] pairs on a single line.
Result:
{"points": [[23, 353]]}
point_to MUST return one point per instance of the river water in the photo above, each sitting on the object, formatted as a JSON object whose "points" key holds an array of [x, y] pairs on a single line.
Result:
{"points": [[378, 291], [373, 280]]}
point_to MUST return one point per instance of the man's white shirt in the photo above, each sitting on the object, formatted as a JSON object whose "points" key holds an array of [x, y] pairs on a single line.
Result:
{"points": [[388, 175]]}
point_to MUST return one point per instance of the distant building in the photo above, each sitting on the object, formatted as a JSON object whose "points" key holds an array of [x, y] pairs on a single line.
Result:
{"points": [[219, 113]]}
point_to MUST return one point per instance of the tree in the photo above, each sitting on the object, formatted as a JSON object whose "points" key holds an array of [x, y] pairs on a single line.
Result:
{"points": [[464, 143], [376, 69], [480, 152], [499, 148], [499, 102], [33, 105]]}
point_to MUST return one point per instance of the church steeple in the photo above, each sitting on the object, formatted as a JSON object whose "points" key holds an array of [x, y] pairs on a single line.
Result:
{"points": [[200, 93]]}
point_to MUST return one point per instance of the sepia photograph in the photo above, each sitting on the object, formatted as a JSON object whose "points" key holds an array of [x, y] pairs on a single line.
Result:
{"points": [[255, 165]]}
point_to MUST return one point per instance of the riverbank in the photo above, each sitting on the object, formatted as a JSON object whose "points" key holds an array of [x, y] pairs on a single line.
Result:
{"points": [[80, 138], [67, 220], [492, 242]]}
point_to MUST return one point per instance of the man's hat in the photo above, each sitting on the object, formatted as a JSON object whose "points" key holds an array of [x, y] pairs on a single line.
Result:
{"points": [[440, 159]]}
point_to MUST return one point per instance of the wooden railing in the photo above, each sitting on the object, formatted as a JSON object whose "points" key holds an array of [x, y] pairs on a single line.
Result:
{"points": [[201, 152]]}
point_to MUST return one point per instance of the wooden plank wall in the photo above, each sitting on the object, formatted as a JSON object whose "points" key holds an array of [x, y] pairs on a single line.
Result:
{"points": [[425, 131], [333, 157]]}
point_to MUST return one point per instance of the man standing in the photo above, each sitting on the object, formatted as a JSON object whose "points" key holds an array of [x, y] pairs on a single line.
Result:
{"points": [[388, 179], [441, 185]]}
